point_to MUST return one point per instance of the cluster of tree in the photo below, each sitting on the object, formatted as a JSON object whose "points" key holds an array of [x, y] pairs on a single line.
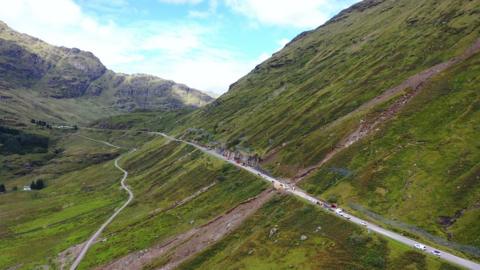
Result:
{"points": [[37, 185], [41, 123], [49, 126], [13, 141], [3, 189]]}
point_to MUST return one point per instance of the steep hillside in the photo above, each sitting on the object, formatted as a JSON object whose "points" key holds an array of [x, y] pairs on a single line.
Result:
{"points": [[272, 239], [423, 166], [57, 78], [356, 76], [181, 195], [177, 188]]}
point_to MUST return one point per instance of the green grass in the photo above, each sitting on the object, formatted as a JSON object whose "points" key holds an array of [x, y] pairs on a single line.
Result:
{"points": [[423, 164], [162, 173], [82, 191], [295, 107], [39, 224], [153, 121], [58, 84], [327, 74], [331, 243]]}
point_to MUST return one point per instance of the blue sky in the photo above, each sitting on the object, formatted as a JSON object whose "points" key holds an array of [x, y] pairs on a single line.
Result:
{"points": [[206, 44]]}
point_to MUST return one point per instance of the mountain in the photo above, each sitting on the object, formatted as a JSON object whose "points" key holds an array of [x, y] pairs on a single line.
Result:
{"points": [[376, 109], [65, 79]]}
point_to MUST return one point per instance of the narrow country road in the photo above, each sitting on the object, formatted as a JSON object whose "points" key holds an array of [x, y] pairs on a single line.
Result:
{"points": [[302, 194], [104, 225]]}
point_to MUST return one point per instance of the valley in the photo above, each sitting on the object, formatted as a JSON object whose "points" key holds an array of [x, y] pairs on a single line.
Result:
{"points": [[355, 146]]}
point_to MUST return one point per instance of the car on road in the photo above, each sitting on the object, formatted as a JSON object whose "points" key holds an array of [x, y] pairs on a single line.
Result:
{"points": [[436, 252], [363, 223], [420, 246]]}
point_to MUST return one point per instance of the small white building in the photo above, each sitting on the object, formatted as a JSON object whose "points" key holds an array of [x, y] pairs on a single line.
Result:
{"points": [[27, 188]]}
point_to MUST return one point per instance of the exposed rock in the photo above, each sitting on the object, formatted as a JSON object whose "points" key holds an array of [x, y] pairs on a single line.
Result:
{"points": [[70, 73], [273, 231], [303, 237], [359, 7], [447, 221]]}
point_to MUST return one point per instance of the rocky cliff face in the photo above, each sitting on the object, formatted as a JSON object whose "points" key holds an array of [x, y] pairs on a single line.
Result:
{"points": [[19, 66], [65, 73], [72, 75]]}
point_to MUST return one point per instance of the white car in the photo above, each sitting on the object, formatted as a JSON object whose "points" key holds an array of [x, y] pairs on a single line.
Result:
{"points": [[436, 252], [420, 246], [363, 223]]}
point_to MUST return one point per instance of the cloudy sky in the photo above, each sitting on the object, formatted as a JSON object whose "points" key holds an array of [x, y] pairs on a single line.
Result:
{"points": [[206, 44]]}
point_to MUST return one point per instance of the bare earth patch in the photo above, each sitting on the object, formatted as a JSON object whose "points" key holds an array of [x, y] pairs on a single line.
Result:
{"points": [[181, 247], [66, 257], [414, 84]]}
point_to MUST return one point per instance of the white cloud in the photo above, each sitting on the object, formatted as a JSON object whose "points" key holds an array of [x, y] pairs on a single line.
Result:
{"points": [[194, 2], [296, 13], [282, 42], [180, 41], [202, 14], [214, 74], [178, 51]]}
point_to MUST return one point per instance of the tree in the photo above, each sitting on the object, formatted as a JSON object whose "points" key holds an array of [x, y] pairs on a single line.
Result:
{"points": [[15, 188], [39, 184], [2, 188], [75, 127], [33, 121]]}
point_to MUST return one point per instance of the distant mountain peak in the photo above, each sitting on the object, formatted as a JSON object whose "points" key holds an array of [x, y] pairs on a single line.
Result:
{"points": [[71, 73]]}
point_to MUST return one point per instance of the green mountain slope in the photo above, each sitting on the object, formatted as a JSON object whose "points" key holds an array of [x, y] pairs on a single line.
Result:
{"points": [[328, 243], [423, 167], [377, 110], [350, 82], [37, 79], [177, 189]]}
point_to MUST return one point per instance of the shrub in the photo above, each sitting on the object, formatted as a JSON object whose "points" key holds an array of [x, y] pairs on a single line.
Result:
{"points": [[37, 185], [332, 199]]}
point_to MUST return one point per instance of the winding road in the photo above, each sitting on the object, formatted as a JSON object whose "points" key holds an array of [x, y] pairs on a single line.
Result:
{"points": [[302, 194], [109, 220]]}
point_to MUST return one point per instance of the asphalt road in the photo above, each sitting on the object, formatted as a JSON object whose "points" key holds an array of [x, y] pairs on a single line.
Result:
{"points": [[104, 225], [302, 194]]}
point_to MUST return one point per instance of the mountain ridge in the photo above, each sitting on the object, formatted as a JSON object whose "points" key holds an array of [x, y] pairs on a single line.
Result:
{"points": [[59, 73], [294, 109]]}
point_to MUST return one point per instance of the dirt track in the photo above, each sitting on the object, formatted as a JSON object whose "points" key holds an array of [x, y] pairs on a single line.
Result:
{"points": [[183, 246], [414, 83]]}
